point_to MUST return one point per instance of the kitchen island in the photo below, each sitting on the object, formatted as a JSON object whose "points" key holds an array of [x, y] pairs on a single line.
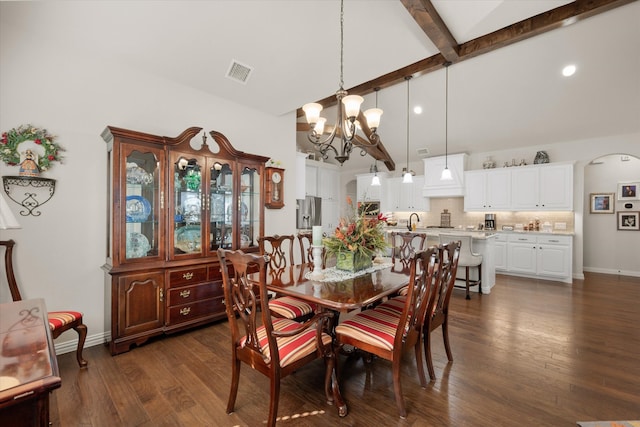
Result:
{"points": [[482, 242]]}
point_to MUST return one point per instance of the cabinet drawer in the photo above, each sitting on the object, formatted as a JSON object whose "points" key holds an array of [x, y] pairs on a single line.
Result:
{"points": [[520, 238], [214, 273], [188, 294], [184, 313], [554, 240], [186, 276]]}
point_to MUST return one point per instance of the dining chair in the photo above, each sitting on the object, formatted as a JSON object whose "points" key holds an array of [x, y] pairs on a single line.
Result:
{"points": [[387, 333], [305, 239], [273, 346], [437, 312], [468, 259], [279, 250], [59, 321], [404, 244]]}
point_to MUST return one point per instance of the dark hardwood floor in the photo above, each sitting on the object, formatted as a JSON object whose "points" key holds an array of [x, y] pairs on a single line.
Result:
{"points": [[532, 353]]}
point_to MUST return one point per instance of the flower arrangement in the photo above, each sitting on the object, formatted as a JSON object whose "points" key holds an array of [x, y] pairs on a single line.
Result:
{"points": [[357, 233], [12, 139]]}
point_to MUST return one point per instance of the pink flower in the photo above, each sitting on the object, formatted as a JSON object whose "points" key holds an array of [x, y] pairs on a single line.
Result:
{"points": [[51, 157], [38, 141]]}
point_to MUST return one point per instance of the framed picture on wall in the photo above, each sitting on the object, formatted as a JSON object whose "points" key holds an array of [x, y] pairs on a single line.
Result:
{"points": [[629, 190], [628, 220], [602, 203]]}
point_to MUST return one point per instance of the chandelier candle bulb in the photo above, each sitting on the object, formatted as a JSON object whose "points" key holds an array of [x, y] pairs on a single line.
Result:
{"points": [[317, 235]]}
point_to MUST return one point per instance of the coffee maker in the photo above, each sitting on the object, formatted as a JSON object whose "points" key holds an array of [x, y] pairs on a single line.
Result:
{"points": [[490, 221]]}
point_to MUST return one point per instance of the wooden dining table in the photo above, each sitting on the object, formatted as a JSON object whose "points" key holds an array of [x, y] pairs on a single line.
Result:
{"points": [[353, 293]]}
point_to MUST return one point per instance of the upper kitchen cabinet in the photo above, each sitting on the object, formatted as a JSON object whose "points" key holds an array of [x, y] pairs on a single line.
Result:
{"points": [[487, 189], [542, 187], [405, 196], [367, 192], [434, 186]]}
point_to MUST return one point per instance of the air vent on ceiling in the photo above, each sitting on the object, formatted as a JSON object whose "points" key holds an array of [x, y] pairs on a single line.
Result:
{"points": [[239, 72], [422, 152]]}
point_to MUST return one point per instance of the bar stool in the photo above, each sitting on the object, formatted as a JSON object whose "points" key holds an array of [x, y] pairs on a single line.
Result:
{"points": [[467, 259]]}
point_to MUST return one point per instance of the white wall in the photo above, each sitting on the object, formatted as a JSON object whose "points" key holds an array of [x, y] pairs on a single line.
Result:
{"points": [[607, 249], [58, 255]]}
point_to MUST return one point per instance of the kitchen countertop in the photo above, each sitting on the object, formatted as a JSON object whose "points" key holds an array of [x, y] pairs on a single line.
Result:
{"points": [[477, 234]]}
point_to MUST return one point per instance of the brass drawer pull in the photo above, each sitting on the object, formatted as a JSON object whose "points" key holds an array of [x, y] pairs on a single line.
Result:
{"points": [[185, 293], [187, 276], [185, 311]]}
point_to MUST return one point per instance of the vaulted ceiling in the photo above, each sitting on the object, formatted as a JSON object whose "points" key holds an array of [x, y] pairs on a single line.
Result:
{"points": [[451, 51], [505, 86]]}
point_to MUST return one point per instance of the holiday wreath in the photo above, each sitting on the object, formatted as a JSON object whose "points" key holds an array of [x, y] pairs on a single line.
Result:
{"points": [[11, 140]]}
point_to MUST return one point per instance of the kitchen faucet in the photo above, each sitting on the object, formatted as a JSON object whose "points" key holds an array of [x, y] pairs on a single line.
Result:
{"points": [[411, 216]]}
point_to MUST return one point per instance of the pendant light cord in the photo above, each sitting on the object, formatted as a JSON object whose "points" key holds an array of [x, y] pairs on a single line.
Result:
{"points": [[408, 106], [446, 117], [341, 43]]}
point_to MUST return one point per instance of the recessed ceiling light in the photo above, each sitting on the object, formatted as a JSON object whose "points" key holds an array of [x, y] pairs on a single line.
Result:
{"points": [[417, 109], [569, 70]]}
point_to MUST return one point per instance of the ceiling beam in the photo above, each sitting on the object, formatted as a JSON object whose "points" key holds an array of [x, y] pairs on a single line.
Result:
{"points": [[434, 27]]}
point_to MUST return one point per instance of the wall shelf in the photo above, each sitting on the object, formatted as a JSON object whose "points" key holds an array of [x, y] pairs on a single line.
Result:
{"points": [[31, 200]]}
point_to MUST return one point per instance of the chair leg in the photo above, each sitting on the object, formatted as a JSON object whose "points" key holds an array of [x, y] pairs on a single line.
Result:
{"points": [[235, 379], [480, 278], [427, 355], [82, 336], [273, 401], [397, 388], [418, 350], [467, 281], [445, 337]]}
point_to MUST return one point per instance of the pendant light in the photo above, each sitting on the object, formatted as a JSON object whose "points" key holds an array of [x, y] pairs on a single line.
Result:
{"points": [[446, 173], [407, 178], [375, 181]]}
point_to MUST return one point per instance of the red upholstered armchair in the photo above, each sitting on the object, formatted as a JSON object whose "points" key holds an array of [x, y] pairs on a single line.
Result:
{"points": [[59, 321]]}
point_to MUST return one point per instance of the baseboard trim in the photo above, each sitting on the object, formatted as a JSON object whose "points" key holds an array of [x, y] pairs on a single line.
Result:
{"points": [[72, 345], [610, 271]]}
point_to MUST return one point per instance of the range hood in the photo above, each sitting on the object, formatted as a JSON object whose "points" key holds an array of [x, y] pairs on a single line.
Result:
{"points": [[434, 186]]}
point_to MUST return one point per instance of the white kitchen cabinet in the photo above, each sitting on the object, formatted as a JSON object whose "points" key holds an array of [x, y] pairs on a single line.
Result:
{"points": [[330, 216], [542, 187], [500, 252], [405, 197], [541, 256], [368, 192], [311, 180], [434, 186], [522, 254], [487, 189], [328, 183]]}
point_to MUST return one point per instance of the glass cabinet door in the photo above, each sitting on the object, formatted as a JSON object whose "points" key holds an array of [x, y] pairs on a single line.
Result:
{"points": [[221, 213], [249, 207], [142, 201], [187, 204]]}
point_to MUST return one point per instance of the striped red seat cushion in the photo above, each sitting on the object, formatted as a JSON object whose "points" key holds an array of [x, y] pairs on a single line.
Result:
{"points": [[290, 348], [375, 327], [58, 319], [394, 305], [290, 307]]}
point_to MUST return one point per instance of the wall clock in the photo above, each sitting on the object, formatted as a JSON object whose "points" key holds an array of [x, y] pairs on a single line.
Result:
{"points": [[274, 194]]}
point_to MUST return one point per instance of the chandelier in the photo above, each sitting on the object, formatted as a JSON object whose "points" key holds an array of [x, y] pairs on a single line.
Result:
{"points": [[348, 110]]}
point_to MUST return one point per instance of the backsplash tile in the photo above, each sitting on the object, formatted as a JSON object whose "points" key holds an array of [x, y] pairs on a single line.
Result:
{"points": [[455, 206]]}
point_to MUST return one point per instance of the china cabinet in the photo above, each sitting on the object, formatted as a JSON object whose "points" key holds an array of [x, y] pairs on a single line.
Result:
{"points": [[172, 203]]}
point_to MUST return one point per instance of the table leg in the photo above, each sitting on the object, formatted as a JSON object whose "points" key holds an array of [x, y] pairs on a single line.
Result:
{"points": [[332, 389]]}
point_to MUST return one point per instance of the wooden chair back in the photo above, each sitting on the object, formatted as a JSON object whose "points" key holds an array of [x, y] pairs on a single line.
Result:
{"points": [[305, 239], [404, 244], [278, 248], [8, 265]]}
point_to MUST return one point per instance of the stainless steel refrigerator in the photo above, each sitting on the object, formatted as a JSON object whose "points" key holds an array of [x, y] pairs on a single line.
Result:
{"points": [[308, 212]]}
